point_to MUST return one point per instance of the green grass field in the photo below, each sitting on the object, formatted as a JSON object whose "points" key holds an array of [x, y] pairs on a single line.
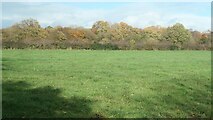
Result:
{"points": [[81, 83]]}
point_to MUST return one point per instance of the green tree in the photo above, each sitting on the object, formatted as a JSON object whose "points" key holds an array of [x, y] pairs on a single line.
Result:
{"points": [[178, 35]]}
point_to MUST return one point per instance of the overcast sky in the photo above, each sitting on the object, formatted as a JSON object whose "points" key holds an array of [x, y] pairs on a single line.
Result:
{"points": [[194, 15]]}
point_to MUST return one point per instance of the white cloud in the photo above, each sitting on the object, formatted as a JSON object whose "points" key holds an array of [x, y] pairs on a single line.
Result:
{"points": [[189, 21], [136, 14]]}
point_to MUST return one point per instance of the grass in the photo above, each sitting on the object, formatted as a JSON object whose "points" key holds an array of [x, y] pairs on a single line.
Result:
{"points": [[130, 84]]}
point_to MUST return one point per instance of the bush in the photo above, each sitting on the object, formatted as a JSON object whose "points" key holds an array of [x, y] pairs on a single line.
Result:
{"points": [[174, 47], [97, 46]]}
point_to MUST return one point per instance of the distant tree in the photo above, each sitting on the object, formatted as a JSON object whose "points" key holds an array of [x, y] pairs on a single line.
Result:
{"points": [[196, 35], [204, 39], [132, 44], [29, 29], [177, 34], [61, 36], [103, 35], [28, 23], [101, 29], [154, 32], [100, 26], [124, 32]]}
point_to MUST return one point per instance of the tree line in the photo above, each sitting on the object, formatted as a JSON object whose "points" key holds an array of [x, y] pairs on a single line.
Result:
{"points": [[103, 35]]}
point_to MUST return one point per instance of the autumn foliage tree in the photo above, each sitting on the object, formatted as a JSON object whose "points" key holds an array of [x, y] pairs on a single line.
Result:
{"points": [[103, 35]]}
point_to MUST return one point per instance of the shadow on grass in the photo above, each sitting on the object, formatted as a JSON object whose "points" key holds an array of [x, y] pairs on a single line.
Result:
{"points": [[21, 100]]}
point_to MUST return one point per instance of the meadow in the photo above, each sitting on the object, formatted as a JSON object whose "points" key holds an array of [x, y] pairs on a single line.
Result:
{"points": [[109, 84]]}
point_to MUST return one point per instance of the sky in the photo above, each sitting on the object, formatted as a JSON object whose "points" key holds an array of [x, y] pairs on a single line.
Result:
{"points": [[193, 15]]}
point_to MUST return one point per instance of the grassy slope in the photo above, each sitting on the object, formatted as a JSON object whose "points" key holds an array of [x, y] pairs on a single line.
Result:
{"points": [[62, 83]]}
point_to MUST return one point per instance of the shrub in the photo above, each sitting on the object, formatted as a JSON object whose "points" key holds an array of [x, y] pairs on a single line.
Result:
{"points": [[97, 46]]}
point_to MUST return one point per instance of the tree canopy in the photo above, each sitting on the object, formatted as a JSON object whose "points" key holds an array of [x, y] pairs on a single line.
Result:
{"points": [[103, 35]]}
